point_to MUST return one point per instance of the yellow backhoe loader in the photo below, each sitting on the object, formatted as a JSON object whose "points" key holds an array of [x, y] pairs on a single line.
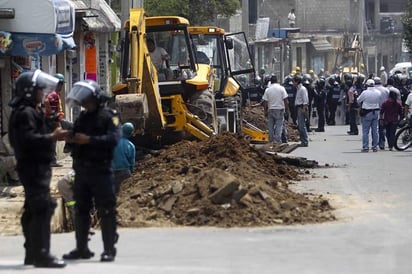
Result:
{"points": [[164, 92]]}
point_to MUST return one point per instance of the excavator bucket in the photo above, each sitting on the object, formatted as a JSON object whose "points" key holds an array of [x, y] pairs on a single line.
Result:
{"points": [[133, 108]]}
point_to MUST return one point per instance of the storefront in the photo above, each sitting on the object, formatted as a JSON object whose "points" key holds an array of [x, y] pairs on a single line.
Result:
{"points": [[95, 24], [35, 35]]}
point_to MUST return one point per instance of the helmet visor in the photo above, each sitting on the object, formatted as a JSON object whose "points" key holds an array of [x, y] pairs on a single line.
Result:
{"points": [[45, 81], [80, 93]]}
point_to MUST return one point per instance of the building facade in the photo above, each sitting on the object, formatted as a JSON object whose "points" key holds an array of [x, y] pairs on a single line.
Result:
{"points": [[322, 31]]}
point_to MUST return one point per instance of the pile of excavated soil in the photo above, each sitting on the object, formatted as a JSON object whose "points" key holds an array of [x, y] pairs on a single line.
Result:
{"points": [[220, 182]]}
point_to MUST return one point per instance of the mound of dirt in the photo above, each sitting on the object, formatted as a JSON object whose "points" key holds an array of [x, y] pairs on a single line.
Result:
{"points": [[220, 182]]}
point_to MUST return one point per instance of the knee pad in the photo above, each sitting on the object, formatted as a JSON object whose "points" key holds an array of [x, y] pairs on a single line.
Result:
{"points": [[105, 211], [42, 204]]}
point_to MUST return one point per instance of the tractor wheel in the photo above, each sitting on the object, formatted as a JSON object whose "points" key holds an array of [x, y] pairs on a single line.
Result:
{"points": [[202, 104]]}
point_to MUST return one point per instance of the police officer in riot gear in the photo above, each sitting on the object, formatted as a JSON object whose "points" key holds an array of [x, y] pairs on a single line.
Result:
{"points": [[352, 103], [33, 146], [95, 134], [291, 91], [332, 99], [320, 101]]}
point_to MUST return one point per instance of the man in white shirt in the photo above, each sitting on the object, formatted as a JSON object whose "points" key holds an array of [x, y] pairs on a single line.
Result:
{"points": [[292, 18], [157, 54], [301, 103], [370, 99], [383, 76], [408, 108], [275, 103], [384, 95]]}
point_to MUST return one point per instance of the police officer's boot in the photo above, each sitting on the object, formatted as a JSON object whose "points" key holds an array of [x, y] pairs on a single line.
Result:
{"points": [[41, 242], [109, 235], [28, 245], [82, 224]]}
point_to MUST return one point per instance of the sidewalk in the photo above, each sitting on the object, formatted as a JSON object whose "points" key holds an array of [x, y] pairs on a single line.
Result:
{"points": [[12, 199]]}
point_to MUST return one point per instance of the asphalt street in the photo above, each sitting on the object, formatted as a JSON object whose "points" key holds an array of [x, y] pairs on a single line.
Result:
{"points": [[373, 234]]}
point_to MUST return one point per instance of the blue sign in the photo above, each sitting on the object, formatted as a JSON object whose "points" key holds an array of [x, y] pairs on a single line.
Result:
{"points": [[32, 44]]}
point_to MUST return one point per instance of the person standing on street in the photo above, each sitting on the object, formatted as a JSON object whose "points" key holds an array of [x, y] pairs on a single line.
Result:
{"points": [[307, 83], [95, 134], [383, 76], [353, 108], [408, 109], [54, 111], [124, 156], [292, 18], [275, 103], [33, 147], [332, 99], [390, 113], [320, 101], [301, 103], [291, 91], [384, 96], [370, 99]]}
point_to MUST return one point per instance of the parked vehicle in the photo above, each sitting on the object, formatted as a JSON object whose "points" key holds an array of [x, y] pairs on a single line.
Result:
{"points": [[404, 68], [403, 138]]}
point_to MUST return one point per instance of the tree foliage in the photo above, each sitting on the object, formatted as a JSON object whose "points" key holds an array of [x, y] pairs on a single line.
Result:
{"points": [[199, 12], [407, 26]]}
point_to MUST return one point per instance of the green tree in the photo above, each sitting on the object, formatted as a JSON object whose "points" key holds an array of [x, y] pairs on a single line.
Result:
{"points": [[407, 26], [199, 12]]}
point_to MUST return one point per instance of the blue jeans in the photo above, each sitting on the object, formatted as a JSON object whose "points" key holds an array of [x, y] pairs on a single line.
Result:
{"points": [[370, 122], [302, 126], [275, 124]]}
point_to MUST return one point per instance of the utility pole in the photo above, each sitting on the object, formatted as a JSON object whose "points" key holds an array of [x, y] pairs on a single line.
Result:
{"points": [[361, 20], [245, 17]]}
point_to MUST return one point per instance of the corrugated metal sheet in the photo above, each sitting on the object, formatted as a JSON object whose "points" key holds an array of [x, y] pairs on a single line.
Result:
{"points": [[98, 15], [322, 45]]}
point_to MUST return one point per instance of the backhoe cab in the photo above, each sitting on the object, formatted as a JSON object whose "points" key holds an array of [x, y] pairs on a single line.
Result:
{"points": [[229, 55]]}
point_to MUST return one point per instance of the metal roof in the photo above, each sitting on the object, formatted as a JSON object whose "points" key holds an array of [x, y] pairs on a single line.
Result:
{"points": [[322, 45], [98, 16]]}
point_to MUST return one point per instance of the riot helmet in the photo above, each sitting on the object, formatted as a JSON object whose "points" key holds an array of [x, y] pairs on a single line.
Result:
{"points": [[297, 79], [28, 83], [84, 91], [320, 83], [307, 79], [127, 129], [348, 79], [332, 80], [360, 79], [60, 77], [288, 80]]}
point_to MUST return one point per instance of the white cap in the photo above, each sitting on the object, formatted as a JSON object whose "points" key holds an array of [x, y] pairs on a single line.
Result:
{"points": [[370, 83], [382, 68]]}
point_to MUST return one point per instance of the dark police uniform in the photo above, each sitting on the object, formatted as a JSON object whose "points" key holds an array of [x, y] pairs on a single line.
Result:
{"points": [[34, 152], [94, 181], [291, 91], [332, 100], [319, 101], [33, 147]]}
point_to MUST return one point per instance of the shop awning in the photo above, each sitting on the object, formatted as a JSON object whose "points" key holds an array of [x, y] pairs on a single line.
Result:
{"points": [[322, 45], [44, 27], [33, 44], [98, 16]]}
